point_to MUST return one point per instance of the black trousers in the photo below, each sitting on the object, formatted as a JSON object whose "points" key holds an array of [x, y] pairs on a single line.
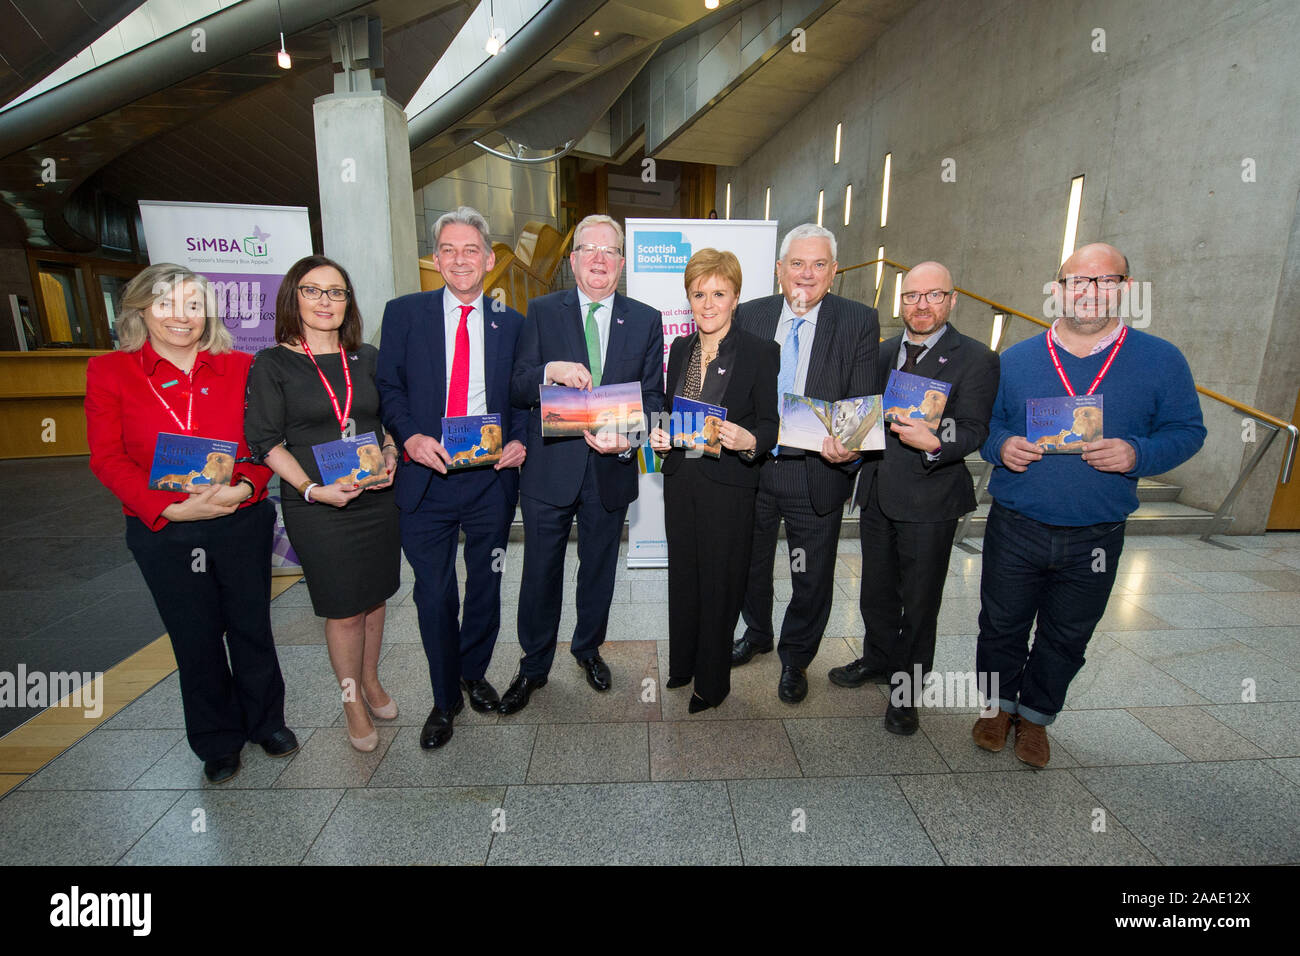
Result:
{"points": [[710, 529], [541, 594], [211, 579], [430, 536], [904, 566], [813, 539]]}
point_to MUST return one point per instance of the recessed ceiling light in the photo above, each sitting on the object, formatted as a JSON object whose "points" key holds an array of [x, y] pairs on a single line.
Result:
{"points": [[595, 33]]}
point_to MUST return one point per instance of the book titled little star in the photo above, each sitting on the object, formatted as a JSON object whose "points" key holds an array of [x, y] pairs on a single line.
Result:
{"points": [[351, 461], [696, 426], [1061, 426], [472, 440], [180, 460], [915, 398]]}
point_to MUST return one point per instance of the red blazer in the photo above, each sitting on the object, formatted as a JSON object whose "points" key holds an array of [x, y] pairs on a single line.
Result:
{"points": [[124, 417]]}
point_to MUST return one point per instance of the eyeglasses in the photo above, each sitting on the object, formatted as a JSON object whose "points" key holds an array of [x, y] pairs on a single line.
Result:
{"points": [[591, 251], [934, 296], [311, 293], [1081, 283]]}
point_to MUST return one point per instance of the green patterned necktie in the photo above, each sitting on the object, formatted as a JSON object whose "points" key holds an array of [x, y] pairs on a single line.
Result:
{"points": [[593, 342]]}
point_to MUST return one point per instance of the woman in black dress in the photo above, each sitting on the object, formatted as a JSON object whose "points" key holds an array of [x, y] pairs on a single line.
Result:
{"points": [[709, 502], [300, 394]]}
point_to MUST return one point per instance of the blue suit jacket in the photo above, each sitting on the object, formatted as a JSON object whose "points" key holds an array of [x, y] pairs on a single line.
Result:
{"points": [[412, 381], [553, 332]]}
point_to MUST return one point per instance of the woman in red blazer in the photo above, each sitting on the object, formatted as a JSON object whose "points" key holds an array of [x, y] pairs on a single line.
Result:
{"points": [[205, 551]]}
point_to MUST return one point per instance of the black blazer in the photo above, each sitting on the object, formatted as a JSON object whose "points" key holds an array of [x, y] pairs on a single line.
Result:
{"points": [[909, 486], [842, 365], [750, 401], [553, 331]]}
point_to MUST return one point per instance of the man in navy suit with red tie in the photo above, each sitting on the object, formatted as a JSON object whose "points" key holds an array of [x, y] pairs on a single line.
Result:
{"points": [[450, 353], [581, 338]]}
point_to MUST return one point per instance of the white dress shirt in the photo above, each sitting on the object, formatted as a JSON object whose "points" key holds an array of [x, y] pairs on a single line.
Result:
{"points": [[477, 401], [603, 316]]}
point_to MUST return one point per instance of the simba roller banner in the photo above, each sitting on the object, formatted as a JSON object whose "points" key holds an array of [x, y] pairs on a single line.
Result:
{"points": [[657, 251]]}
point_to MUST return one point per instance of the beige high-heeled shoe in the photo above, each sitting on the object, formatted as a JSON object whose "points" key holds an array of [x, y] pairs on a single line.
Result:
{"points": [[364, 744], [387, 712]]}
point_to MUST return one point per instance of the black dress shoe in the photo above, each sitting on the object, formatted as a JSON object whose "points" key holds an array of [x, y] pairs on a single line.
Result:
{"points": [[482, 695], [597, 672], [901, 720], [793, 686], [437, 728], [516, 696], [281, 743], [857, 674], [222, 768], [678, 682], [698, 704], [743, 651]]}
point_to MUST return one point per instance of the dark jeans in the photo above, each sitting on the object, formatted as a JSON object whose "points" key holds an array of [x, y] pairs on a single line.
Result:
{"points": [[1060, 575], [211, 581]]}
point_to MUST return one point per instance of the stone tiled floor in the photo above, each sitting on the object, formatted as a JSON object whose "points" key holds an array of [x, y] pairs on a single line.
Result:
{"points": [[1160, 757]]}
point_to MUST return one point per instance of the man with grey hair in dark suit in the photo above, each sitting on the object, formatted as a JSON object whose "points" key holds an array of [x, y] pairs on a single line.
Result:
{"points": [[829, 347]]}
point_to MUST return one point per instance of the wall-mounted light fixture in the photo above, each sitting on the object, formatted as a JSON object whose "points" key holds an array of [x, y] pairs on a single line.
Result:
{"points": [[880, 266], [838, 129], [767, 203], [996, 337], [898, 292], [1072, 217], [727, 206], [884, 194], [848, 202], [821, 196]]}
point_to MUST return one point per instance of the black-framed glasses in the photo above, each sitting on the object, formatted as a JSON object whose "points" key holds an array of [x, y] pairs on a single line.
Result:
{"points": [[1081, 283], [311, 293], [934, 296]]}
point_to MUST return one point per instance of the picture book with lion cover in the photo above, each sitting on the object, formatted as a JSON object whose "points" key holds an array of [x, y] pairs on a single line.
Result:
{"points": [[911, 397], [180, 460], [1062, 425], [695, 425], [351, 461], [568, 412], [856, 422], [472, 440]]}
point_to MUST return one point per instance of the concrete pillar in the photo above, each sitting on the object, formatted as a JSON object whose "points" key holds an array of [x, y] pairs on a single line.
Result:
{"points": [[363, 165]]}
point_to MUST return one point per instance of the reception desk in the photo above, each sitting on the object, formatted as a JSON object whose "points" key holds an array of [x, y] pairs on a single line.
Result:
{"points": [[42, 397]]}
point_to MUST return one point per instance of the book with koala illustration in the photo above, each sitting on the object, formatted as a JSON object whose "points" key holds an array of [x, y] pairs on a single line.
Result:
{"points": [[911, 397], [180, 460], [856, 422], [1061, 425], [472, 440], [351, 461], [568, 412], [695, 426]]}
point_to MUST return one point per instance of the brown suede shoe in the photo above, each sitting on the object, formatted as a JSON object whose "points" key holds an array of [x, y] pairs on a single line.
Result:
{"points": [[991, 732], [1031, 743]]}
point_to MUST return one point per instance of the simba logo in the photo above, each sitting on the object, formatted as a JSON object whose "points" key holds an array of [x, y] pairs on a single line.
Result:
{"points": [[660, 252], [254, 245], [55, 689], [103, 909]]}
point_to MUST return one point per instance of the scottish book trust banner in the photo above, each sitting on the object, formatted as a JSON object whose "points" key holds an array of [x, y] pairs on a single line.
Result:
{"points": [[657, 253], [244, 251]]}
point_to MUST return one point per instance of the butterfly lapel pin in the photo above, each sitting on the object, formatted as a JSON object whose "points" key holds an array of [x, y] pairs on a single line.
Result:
{"points": [[494, 325], [619, 321], [943, 359], [722, 371]]}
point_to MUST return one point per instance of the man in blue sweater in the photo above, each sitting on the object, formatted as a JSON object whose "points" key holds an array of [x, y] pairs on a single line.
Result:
{"points": [[1056, 528]]}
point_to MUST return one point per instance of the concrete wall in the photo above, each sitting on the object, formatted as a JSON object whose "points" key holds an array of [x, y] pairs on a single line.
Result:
{"points": [[508, 194], [1160, 123]]}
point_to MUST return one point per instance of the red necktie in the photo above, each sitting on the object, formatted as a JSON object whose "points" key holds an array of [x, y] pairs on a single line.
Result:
{"points": [[458, 391]]}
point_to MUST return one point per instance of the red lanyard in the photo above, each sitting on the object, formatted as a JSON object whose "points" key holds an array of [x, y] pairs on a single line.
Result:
{"points": [[347, 379], [189, 411], [1051, 350]]}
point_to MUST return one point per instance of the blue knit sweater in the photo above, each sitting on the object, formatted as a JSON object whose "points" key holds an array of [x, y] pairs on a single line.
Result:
{"points": [[1149, 401]]}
